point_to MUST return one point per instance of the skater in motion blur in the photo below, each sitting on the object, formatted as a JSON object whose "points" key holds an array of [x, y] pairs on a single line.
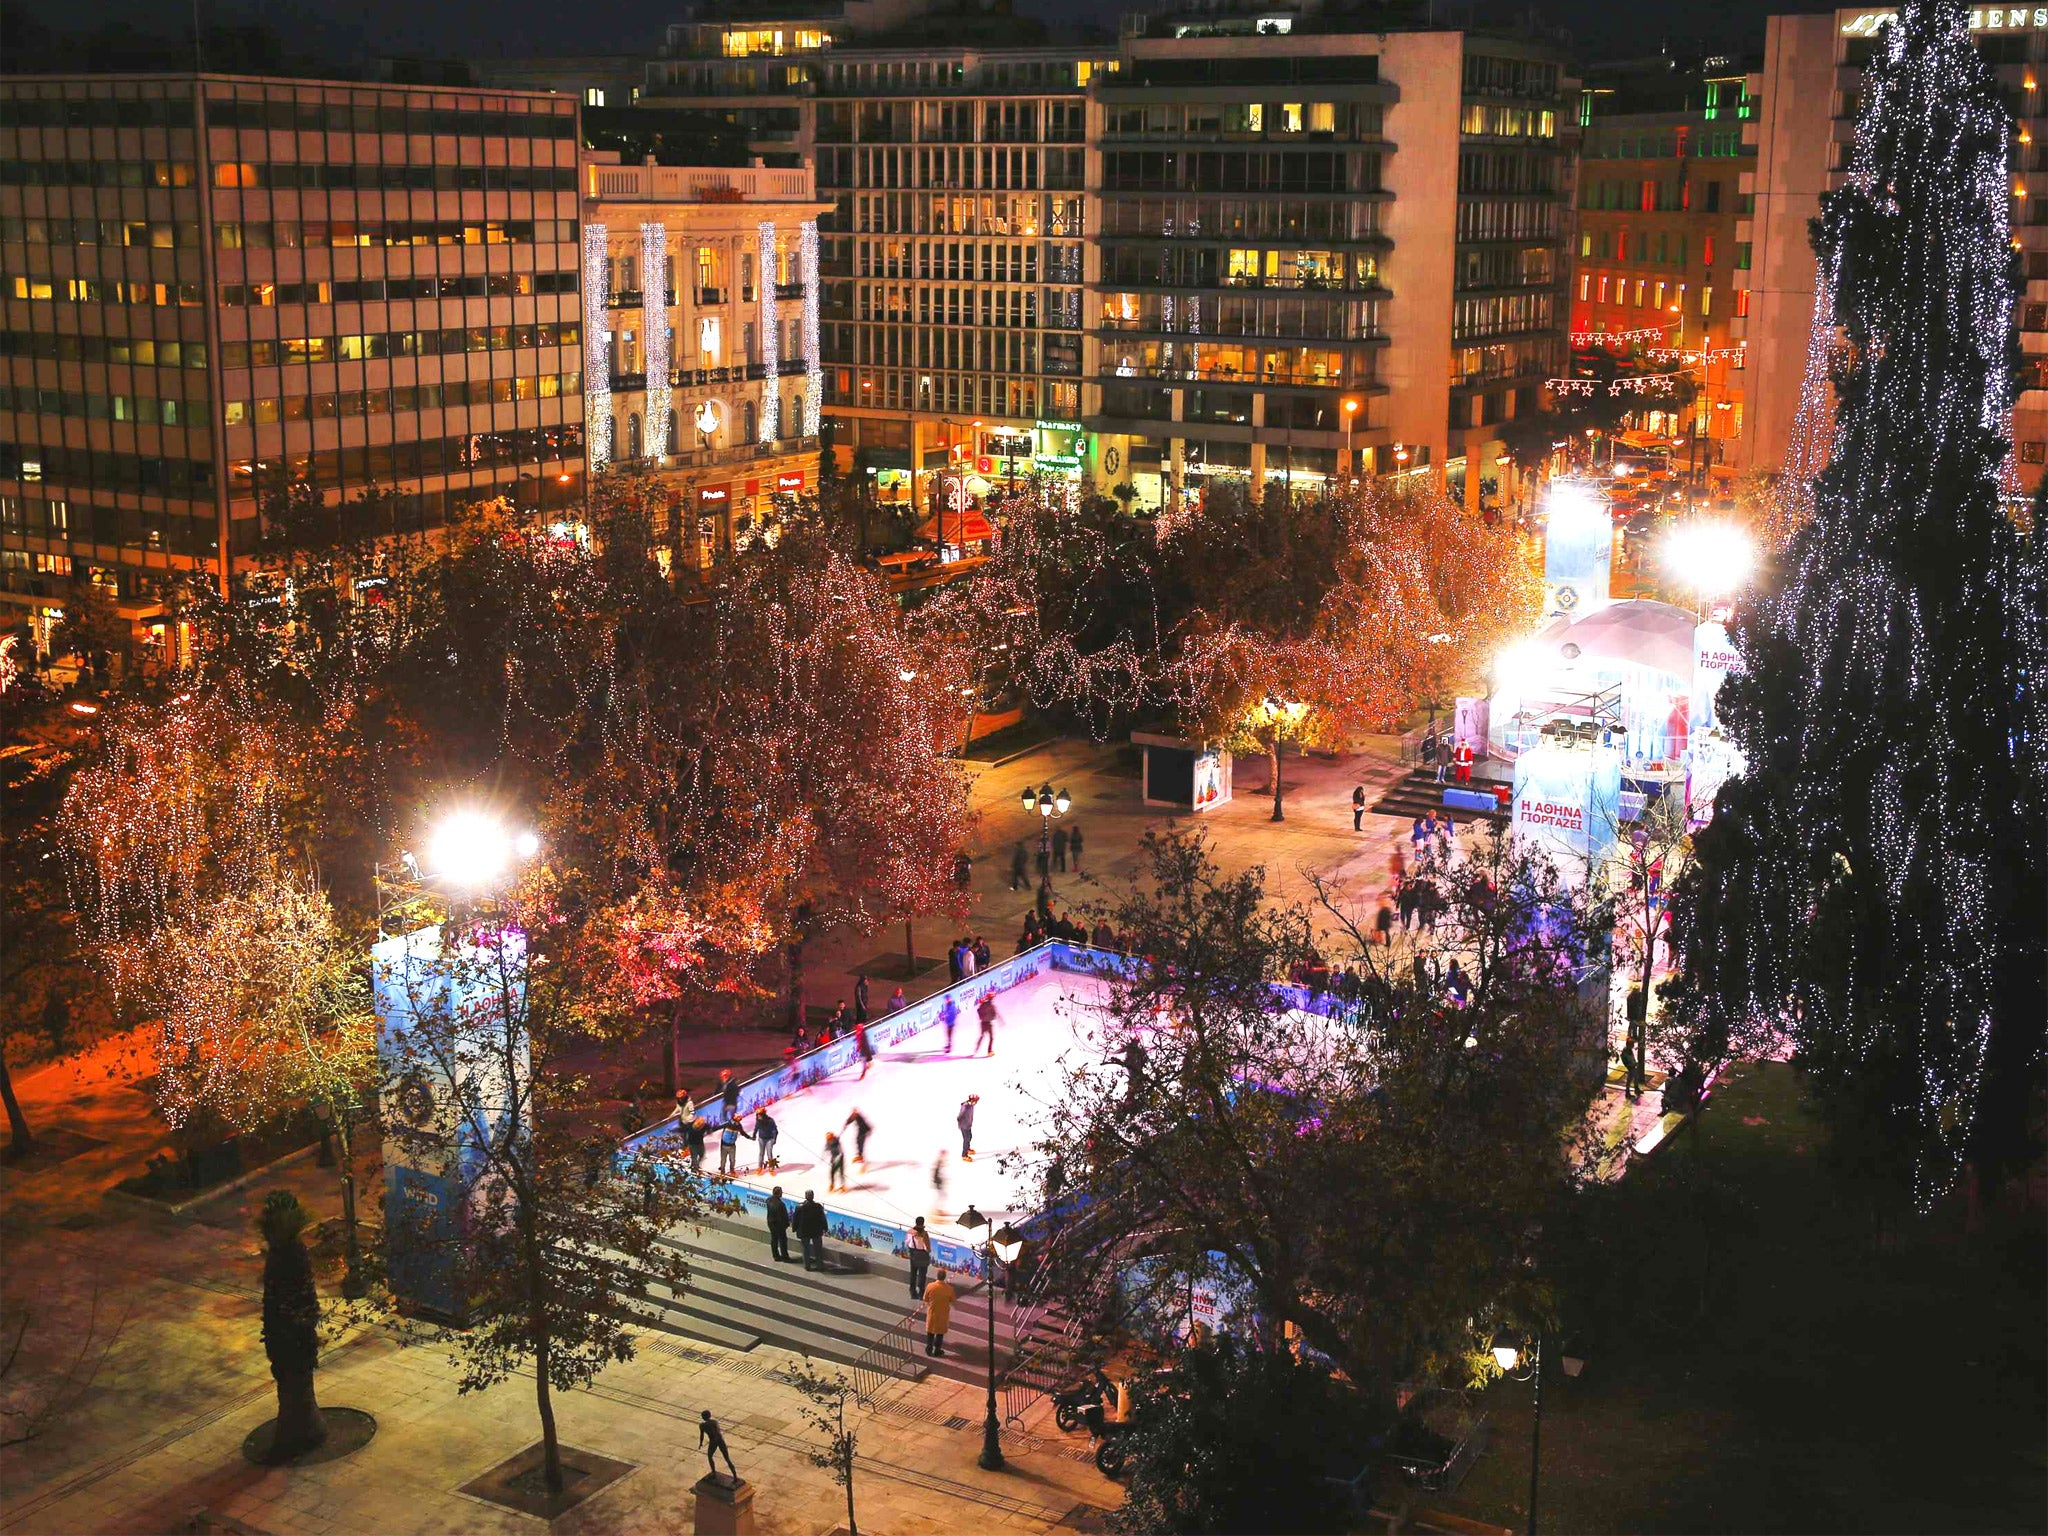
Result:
{"points": [[861, 1126], [986, 1011]]}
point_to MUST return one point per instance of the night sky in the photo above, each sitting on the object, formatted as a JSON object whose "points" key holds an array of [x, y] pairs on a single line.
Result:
{"points": [[477, 28]]}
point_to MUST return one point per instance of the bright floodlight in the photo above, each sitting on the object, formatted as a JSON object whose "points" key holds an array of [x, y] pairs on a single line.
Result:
{"points": [[473, 851], [1711, 558], [1506, 1356]]}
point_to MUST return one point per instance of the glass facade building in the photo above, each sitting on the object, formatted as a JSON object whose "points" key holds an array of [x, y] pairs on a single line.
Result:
{"points": [[216, 287]]}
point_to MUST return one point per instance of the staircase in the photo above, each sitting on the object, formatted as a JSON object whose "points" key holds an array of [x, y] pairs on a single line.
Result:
{"points": [[855, 1313], [1419, 792]]}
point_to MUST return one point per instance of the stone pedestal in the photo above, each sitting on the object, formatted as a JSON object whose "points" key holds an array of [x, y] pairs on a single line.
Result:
{"points": [[724, 1507]]}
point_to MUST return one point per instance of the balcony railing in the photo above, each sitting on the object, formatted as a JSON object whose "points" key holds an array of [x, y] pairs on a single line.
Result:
{"points": [[789, 290], [686, 184], [737, 453], [710, 296], [623, 298]]}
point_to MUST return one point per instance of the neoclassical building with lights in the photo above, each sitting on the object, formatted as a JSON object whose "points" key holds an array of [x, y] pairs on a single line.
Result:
{"points": [[700, 296]]}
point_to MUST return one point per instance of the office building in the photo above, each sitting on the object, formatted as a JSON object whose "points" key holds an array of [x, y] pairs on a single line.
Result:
{"points": [[1664, 149], [1164, 261], [217, 287], [1322, 251], [1806, 129], [700, 292]]}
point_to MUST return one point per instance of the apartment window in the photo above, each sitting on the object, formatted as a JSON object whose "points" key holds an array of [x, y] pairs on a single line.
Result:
{"points": [[1706, 250], [593, 96], [1742, 255], [1660, 295], [1741, 302], [1585, 285], [1640, 288], [2035, 452], [1603, 287], [1648, 200], [1586, 243], [1713, 195]]}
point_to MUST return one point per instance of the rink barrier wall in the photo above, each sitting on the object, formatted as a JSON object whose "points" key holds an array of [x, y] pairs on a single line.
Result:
{"points": [[737, 1197]]}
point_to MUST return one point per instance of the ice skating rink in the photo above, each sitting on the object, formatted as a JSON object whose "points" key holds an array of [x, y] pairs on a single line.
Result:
{"points": [[912, 1094]]}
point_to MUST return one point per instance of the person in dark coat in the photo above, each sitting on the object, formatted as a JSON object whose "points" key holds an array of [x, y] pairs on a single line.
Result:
{"points": [[917, 1248], [1059, 849], [809, 1226], [765, 1132], [1074, 846], [729, 1094], [860, 998], [1020, 867], [861, 1127], [778, 1227]]}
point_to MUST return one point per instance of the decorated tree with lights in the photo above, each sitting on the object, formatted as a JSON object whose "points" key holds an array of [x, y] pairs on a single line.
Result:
{"points": [[1874, 882]]}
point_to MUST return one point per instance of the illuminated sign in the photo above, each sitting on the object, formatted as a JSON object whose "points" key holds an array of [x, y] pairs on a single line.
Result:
{"points": [[1984, 18], [1059, 461], [714, 494], [1057, 426], [790, 482]]}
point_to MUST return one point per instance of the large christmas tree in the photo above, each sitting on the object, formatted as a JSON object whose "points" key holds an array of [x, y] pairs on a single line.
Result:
{"points": [[1874, 883]]}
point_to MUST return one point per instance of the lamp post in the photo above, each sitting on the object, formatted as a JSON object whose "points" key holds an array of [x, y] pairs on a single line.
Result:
{"points": [[1002, 1243], [1507, 1356], [1351, 406]]}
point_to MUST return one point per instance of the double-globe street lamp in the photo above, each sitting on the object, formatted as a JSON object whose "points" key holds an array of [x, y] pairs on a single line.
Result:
{"points": [[1002, 1243]]}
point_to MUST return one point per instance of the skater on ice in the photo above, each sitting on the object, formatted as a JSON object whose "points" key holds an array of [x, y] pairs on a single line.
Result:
{"points": [[986, 1010], [965, 1120], [861, 1128]]}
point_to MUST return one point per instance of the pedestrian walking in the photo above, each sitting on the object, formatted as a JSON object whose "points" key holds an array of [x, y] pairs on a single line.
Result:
{"points": [[1358, 808], [835, 1163], [917, 1248], [765, 1132], [1059, 850], [729, 1148], [862, 1048], [1020, 867], [963, 869], [712, 1439], [938, 1313], [778, 1227], [809, 1225], [986, 1010], [861, 1128], [1044, 898], [1074, 846], [949, 1015], [1383, 924], [965, 1120], [1044, 857], [1405, 899], [860, 998]]}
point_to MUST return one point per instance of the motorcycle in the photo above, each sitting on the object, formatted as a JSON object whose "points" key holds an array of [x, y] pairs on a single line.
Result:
{"points": [[1110, 1454], [1069, 1405]]}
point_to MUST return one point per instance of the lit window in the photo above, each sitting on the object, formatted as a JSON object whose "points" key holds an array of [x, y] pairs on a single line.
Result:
{"points": [[593, 96]]}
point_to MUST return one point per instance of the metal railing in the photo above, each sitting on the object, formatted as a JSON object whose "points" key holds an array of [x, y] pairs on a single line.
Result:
{"points": [[892, 1357]]}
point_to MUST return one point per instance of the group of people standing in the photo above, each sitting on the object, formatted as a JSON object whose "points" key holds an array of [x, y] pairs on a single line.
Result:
{"points": [[1055, 846]]}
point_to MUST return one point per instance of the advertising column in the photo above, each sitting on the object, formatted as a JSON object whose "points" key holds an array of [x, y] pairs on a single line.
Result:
{"points": [[449, 1031], [1568, 804], [1578, 550]]}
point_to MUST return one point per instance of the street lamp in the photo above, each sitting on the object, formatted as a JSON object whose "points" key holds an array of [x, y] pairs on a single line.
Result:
{"points": [[1003, 1243], [1351, 408], [1045, 802], [1508, 1356]]}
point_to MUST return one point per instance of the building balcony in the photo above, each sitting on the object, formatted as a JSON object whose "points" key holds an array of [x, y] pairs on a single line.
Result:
{"points": [[708, 296], [736, 453], [789, 290], [623, 298], [697, 184]]}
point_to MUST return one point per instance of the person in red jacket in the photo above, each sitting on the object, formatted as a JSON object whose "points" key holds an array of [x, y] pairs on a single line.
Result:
{"points": [[1461, 758]]}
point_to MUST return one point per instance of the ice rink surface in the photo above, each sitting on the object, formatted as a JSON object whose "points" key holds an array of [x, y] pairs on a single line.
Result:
{"points": [[912, 1095]]}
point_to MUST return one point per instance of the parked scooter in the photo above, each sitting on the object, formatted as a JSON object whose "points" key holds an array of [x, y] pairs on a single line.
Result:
{"points": [[1110, 1454]]}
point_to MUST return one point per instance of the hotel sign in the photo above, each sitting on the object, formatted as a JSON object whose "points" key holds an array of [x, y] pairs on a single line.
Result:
{"points": [[1983, 18]]}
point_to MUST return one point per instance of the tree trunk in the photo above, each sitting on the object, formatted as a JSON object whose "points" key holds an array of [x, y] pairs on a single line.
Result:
{"points": [[550, 1447], [851, 1528], [354, 1287], [300, 1426], [19, 1138], [672, 1052], [795, 951], [1279, 813]]}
